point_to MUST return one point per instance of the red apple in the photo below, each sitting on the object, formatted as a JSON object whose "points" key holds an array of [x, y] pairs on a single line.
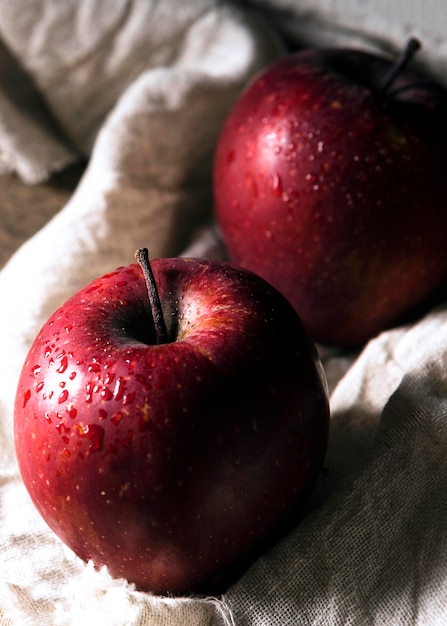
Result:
{"points": [[329, 182], [172, 442]]}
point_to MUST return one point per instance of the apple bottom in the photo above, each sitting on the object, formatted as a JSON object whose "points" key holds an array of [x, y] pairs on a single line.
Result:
{"points": [[205, 515]]}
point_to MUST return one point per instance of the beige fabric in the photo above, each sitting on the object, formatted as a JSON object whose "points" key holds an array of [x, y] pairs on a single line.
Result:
{"points": [[372, 549], [141, 89]]}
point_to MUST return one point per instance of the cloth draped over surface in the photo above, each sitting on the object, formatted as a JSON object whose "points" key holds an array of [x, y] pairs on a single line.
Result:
{"points": [[139, 91]]}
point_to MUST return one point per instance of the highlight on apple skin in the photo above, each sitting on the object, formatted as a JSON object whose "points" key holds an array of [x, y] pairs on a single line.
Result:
{"points": [[175, 463]]}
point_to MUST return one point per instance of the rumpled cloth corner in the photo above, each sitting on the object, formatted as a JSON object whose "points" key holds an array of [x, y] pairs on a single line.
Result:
{"points": [[148, 178], [140, 90]]}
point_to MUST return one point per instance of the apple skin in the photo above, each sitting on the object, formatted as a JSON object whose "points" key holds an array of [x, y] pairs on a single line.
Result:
{"points": [[335, 192], [173, 464]]}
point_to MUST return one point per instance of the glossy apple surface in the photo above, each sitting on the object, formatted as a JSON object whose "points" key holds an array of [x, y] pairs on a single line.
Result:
{"points": [[332, 187], [173, 464]]}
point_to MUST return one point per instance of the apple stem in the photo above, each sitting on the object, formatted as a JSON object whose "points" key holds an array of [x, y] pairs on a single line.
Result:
{"points": [[142, 256], [413, 45]]}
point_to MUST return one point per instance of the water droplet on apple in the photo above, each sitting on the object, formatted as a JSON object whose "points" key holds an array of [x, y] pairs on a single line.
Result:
{"points": [[128, 398], [89, 392], [63, 365], [63, 396], [72, 412], [61, 427], [311, 178], [109, 377], [35, 370], [92, 288], [68, 327], [26, 397], [276, 184], [106, 394], [119, 389], [93, 432]]}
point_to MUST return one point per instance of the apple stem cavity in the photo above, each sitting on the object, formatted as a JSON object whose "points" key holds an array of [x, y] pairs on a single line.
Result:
{"points": [[412, 46], [161, 333]]}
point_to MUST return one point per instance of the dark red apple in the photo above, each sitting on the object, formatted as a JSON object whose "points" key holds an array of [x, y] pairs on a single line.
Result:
{"points": [[329, 182], [172, 442]]}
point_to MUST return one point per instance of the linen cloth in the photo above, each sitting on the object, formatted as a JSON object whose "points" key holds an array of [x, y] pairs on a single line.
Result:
{"points": [[140, 90]]}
